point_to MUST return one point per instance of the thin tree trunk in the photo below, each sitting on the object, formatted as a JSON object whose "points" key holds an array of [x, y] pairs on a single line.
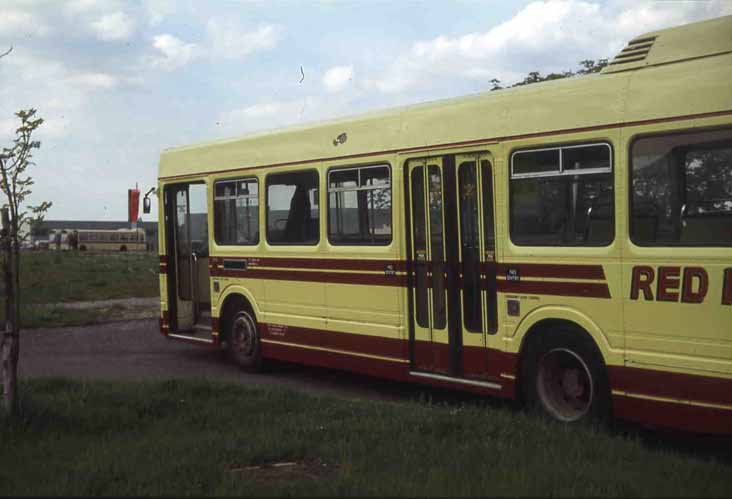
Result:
{"points": [[10, 343]]}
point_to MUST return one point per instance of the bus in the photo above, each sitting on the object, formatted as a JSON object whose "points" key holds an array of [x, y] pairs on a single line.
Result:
{"points": [[567, 243], [98, 239]]}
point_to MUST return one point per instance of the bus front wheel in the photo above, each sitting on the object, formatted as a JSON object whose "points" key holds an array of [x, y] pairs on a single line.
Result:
{"points": [[564, 377], [244, 345]]}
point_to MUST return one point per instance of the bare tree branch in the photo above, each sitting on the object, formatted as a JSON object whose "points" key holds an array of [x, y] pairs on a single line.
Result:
{"points": [[6, 52]]}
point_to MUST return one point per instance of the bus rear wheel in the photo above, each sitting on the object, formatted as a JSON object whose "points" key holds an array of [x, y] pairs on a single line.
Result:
{"points": [[564, 378], [244, 346]]}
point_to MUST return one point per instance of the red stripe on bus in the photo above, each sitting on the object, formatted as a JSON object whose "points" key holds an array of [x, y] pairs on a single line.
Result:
{"points": [[478, 362], [314, 276], [317, 263], [673, 415], [579, 289], [667, 384], [165, 323], [446, 145], [561, 271], [588, 289], [555, 270], [369, 366], [335, 360], [359, 343]]}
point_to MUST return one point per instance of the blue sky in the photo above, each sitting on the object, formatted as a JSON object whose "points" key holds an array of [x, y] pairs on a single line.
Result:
{"points": [[118, 81]]}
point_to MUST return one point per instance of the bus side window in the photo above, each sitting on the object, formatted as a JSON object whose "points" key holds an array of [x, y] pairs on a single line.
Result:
{"points": [[359, 205], [682, 189], [236, 212], [291, 216], [562, 196]]}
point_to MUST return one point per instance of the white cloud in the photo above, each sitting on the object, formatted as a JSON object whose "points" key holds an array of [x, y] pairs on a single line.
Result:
{"points": [[74, 7], [95, 80], [263, 115], [225, 40], [61, 93], [7, 128], [173, 52], [113, 27], [269, 114], [158, 10], [15, 22], [336, 78], [229, 40], [543, 36]]}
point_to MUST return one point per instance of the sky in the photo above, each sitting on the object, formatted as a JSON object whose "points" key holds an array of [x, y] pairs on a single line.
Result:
{"points": [[118, 81]]}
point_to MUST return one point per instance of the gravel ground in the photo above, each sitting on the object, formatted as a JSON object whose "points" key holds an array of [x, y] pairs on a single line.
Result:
{"points": [[135, 350], [119, 309]]}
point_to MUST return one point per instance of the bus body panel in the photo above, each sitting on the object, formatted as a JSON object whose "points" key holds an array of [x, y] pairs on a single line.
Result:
{"points": [[669, 362]]}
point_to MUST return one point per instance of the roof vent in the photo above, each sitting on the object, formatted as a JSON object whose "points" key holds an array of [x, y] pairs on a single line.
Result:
{"points": [[635, 51]]}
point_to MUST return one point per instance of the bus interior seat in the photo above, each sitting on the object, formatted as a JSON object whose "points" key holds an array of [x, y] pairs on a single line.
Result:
{"points": [[299, 221], [707, 228], [645, 224], [600, 226]]}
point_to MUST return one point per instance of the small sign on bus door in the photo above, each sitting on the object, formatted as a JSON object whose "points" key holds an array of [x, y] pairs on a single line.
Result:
{"points": [[513, 275]]}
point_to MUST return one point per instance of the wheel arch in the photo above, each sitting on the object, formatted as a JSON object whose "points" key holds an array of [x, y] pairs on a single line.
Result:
{"points": [[231, 299], [546, 318]]}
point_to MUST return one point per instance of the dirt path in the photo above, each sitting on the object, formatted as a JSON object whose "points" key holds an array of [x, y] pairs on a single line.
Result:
{"points": [[135, 350], [113, 310], [153, 302]]}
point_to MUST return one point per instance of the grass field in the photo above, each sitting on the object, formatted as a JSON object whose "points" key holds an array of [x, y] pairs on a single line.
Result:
{"points": [[207, 438], [49, 277]]}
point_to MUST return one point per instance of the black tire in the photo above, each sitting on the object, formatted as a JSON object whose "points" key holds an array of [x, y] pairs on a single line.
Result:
{"points": [[243, 345], [564, 378]]}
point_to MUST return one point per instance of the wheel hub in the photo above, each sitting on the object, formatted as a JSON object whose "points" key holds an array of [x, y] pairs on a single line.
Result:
{"points": [[564, 385], [243, 336]]}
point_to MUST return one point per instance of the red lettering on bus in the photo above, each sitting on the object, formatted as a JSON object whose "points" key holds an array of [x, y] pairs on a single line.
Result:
{"points": [[727, 288], [642, 279], [688, 295], [668, 284]]}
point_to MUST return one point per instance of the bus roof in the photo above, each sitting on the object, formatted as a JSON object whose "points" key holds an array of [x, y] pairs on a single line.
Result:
{"points": [[675, 72]]}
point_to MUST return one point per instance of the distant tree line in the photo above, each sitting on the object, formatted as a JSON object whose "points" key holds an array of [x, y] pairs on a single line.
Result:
{"points": [[587, 66]]}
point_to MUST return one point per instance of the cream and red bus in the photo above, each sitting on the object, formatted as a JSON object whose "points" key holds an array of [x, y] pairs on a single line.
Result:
{"points": [[111, 240], [567, 243], [98, 239]]}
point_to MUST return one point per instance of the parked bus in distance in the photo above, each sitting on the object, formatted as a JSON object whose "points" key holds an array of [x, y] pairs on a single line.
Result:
{"points": [[98, 239], [566, 243]]}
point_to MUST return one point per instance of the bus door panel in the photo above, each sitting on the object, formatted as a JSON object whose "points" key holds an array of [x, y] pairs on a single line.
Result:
{"points": [[188, 249], [430, 343], [477, 283]]}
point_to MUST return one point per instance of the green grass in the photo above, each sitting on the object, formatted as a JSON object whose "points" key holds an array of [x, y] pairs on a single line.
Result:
{"points": [[53, 277], [184, 437], [50, 277]]}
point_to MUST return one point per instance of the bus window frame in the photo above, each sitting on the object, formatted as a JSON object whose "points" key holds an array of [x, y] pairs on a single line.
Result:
{"points": [[607, 141], [328, 171], [213, 210], [629, 220], [266, 207]]}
